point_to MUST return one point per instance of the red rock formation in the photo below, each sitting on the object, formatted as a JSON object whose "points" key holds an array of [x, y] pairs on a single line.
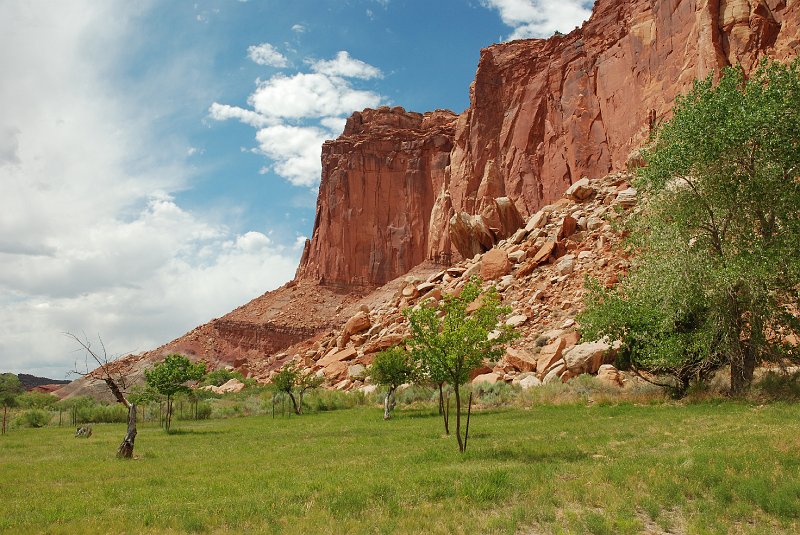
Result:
{"points": [[544, 113], [376, 196]]}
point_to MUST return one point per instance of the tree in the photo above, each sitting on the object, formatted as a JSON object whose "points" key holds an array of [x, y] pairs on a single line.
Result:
{"points": [[10, 387], [716, 275], [454, 339], [115, 376], [170, 376], [291, 378], [392, 368]]}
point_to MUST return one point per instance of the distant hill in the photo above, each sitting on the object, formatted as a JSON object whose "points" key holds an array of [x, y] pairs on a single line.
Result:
{"points": [[31, 381]]}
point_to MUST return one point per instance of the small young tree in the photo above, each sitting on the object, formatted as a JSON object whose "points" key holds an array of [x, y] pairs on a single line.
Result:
{"points": [[290, 379], [453, 341], [392, 368], [170, 376], [116, 378], [10, 388]]}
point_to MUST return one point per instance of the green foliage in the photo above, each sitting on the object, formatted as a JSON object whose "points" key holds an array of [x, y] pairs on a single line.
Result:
{"points": [[36, 400], [716, 276], [290, 380], [32, 418], [449, 342], [10, 388], [170, 377], [392, 367], [221, 376]]}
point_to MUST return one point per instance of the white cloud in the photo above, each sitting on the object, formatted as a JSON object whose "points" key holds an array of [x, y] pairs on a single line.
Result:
{"points": [[540, 18], [346, 66], [309, 95], [223, 112], [266, 54], [92, 240], [296, 151], [299, 28], [295, 114]]}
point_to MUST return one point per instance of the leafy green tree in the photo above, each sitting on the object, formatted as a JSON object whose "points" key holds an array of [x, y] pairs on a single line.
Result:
{"points": [[170, 377], [392, 368], [36, 400], [451, 341], [716, 274], [290, 379], [10, 388]]}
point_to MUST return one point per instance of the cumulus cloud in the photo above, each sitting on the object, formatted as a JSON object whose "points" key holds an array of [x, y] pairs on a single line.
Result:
{"points": [[266, 54], [91, 242], [294, 114], [223, 112], [346, 66], [540, 18], [309, 95]]}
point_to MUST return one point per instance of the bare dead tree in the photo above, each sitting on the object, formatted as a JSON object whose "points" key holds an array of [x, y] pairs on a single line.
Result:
{"points": [[117, 382]]}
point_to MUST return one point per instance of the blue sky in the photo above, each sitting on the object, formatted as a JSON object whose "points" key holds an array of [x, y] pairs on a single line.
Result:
{"points": [[159, 160]]}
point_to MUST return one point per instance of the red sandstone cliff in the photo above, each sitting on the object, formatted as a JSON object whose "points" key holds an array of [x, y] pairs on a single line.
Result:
{"points": [[543, 113], [376, 196]]}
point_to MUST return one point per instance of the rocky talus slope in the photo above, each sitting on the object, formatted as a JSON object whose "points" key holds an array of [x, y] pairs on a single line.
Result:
{"points": [[540, 272]]}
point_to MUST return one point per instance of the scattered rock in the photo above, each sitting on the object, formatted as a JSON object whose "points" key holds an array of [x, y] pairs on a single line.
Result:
{"points": [[490, 378], [517, 320], [580, 190], [587, 357], [521, 359], [495, 264]]}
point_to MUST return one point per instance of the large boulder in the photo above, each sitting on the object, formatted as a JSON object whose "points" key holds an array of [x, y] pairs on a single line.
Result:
{"points": [[580, 190], [587, 357], [550, 355], [521, 359], [495, 264], [491, 378]]}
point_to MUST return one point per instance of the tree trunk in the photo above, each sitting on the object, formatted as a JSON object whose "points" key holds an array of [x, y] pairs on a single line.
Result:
{"points": [[388, 404], [5, 413], [168, 419], [743, 366], [458, 420], [441, 401], [469, 413], [294, 402], [125, 450], [447, 414]]}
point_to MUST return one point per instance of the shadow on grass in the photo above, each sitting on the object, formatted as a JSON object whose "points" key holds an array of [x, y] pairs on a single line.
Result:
{"points": [[529, 456], [194, 432]]}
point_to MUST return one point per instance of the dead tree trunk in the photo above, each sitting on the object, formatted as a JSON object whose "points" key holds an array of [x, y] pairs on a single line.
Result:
{"points": [[125, 450]]}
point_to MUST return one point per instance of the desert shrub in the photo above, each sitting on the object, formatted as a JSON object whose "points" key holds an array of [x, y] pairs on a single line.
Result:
{"points": [[776, 386], [32, 418], [331, 400], [494, 395], [417, 394], [36, 400]]}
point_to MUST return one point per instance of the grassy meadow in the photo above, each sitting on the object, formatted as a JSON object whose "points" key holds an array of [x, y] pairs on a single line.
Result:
{"points": [[709, 467]]}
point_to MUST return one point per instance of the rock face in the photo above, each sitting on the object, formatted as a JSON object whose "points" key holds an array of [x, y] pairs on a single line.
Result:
{"points": [[400, 187], [376, 198]]}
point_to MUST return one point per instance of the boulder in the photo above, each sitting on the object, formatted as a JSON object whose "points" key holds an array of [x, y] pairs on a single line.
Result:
{"points": [[517, 320], [337, 356], [554, 375], [470, 234], [538, 220], [481, 370], [566, 265], [544, 253], [529, 381], [587, 357], [580, 190], [521, 359], [491, 378], [608, 374], [495, 264], [356, 370], [627, 198], [567, 227], [517, 256], [549, 355], [233, 385]]}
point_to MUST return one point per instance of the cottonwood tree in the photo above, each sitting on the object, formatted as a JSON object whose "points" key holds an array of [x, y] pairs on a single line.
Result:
{"points": [[392, 368], [716, 277], [10, 388], [290, 379], [454, 339], [115, 377], [169, 377]]}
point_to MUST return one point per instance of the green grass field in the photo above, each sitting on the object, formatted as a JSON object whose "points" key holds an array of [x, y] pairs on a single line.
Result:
{"points": [[714, 467]]}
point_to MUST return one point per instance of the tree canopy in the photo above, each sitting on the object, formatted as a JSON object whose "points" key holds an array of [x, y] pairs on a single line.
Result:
{"points": [[716, 270], [170, 376]]}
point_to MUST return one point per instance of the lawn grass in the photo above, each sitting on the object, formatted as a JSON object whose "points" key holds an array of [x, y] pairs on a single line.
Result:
{"points": [[699, 468]]}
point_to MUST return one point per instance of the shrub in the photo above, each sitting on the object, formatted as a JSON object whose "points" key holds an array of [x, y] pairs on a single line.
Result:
{"points": [[32, 418]]}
